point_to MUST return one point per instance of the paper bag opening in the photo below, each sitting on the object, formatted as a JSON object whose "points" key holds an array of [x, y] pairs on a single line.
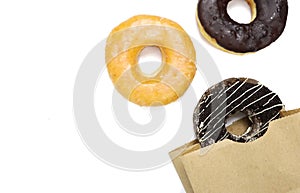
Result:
{"points": [[268, 164]]}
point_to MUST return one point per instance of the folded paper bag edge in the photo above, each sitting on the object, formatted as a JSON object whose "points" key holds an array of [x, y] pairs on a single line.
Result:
{"points": [[184, 155], [175, 157]]}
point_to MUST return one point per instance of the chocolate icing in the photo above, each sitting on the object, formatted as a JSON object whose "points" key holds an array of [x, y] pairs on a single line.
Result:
{"points": [[228, 97], [231, 35]]}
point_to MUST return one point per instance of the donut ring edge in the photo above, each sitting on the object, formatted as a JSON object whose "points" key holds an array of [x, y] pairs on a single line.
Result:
{"points": [[190, 62], [214, 91], [280, 16]]}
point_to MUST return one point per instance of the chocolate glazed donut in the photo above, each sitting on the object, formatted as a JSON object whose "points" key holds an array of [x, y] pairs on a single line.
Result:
{"points": [[228, 97], [269, 20]]}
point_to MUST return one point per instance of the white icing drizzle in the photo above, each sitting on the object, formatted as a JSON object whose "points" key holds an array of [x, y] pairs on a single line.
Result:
{"points": [[270, 100], [211, 132], [225, 100], [200, 103], [209, 102], [198, 129], [232, 87], [215, 130], [267, 109], [207, 98], [260, 86], [225, 136], [201, 112], [220, 92], [264, 127], [257, 100], [271, 119]]}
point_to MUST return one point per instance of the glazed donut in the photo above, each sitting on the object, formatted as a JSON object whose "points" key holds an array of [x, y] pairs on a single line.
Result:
{"points": [[268, 22], [228, 97], [171, 80]]}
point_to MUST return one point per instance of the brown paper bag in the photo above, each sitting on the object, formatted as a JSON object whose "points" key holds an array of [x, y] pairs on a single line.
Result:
{"points": [[270, 164]]}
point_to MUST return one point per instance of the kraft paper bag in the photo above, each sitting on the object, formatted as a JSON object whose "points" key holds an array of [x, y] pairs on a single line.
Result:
{"points": [[270, 164]]}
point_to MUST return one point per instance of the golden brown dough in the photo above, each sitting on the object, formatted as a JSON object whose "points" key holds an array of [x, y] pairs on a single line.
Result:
{"points": [[171, 80]]}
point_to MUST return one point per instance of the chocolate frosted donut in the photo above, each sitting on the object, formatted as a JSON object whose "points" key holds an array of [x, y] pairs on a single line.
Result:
{"points": [[268, 22], [229, 97]]}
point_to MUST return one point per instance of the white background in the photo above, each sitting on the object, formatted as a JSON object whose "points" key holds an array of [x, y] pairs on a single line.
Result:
{"points": [[42, 45]]}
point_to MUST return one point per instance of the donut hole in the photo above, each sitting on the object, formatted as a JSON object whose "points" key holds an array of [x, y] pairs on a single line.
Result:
{"points": [[242, 11], [150, 61], [238, 123]]}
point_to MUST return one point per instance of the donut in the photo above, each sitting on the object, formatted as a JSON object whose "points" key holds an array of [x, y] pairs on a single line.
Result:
{"points": [[171, 80], [228, 97], [268, 22]]}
